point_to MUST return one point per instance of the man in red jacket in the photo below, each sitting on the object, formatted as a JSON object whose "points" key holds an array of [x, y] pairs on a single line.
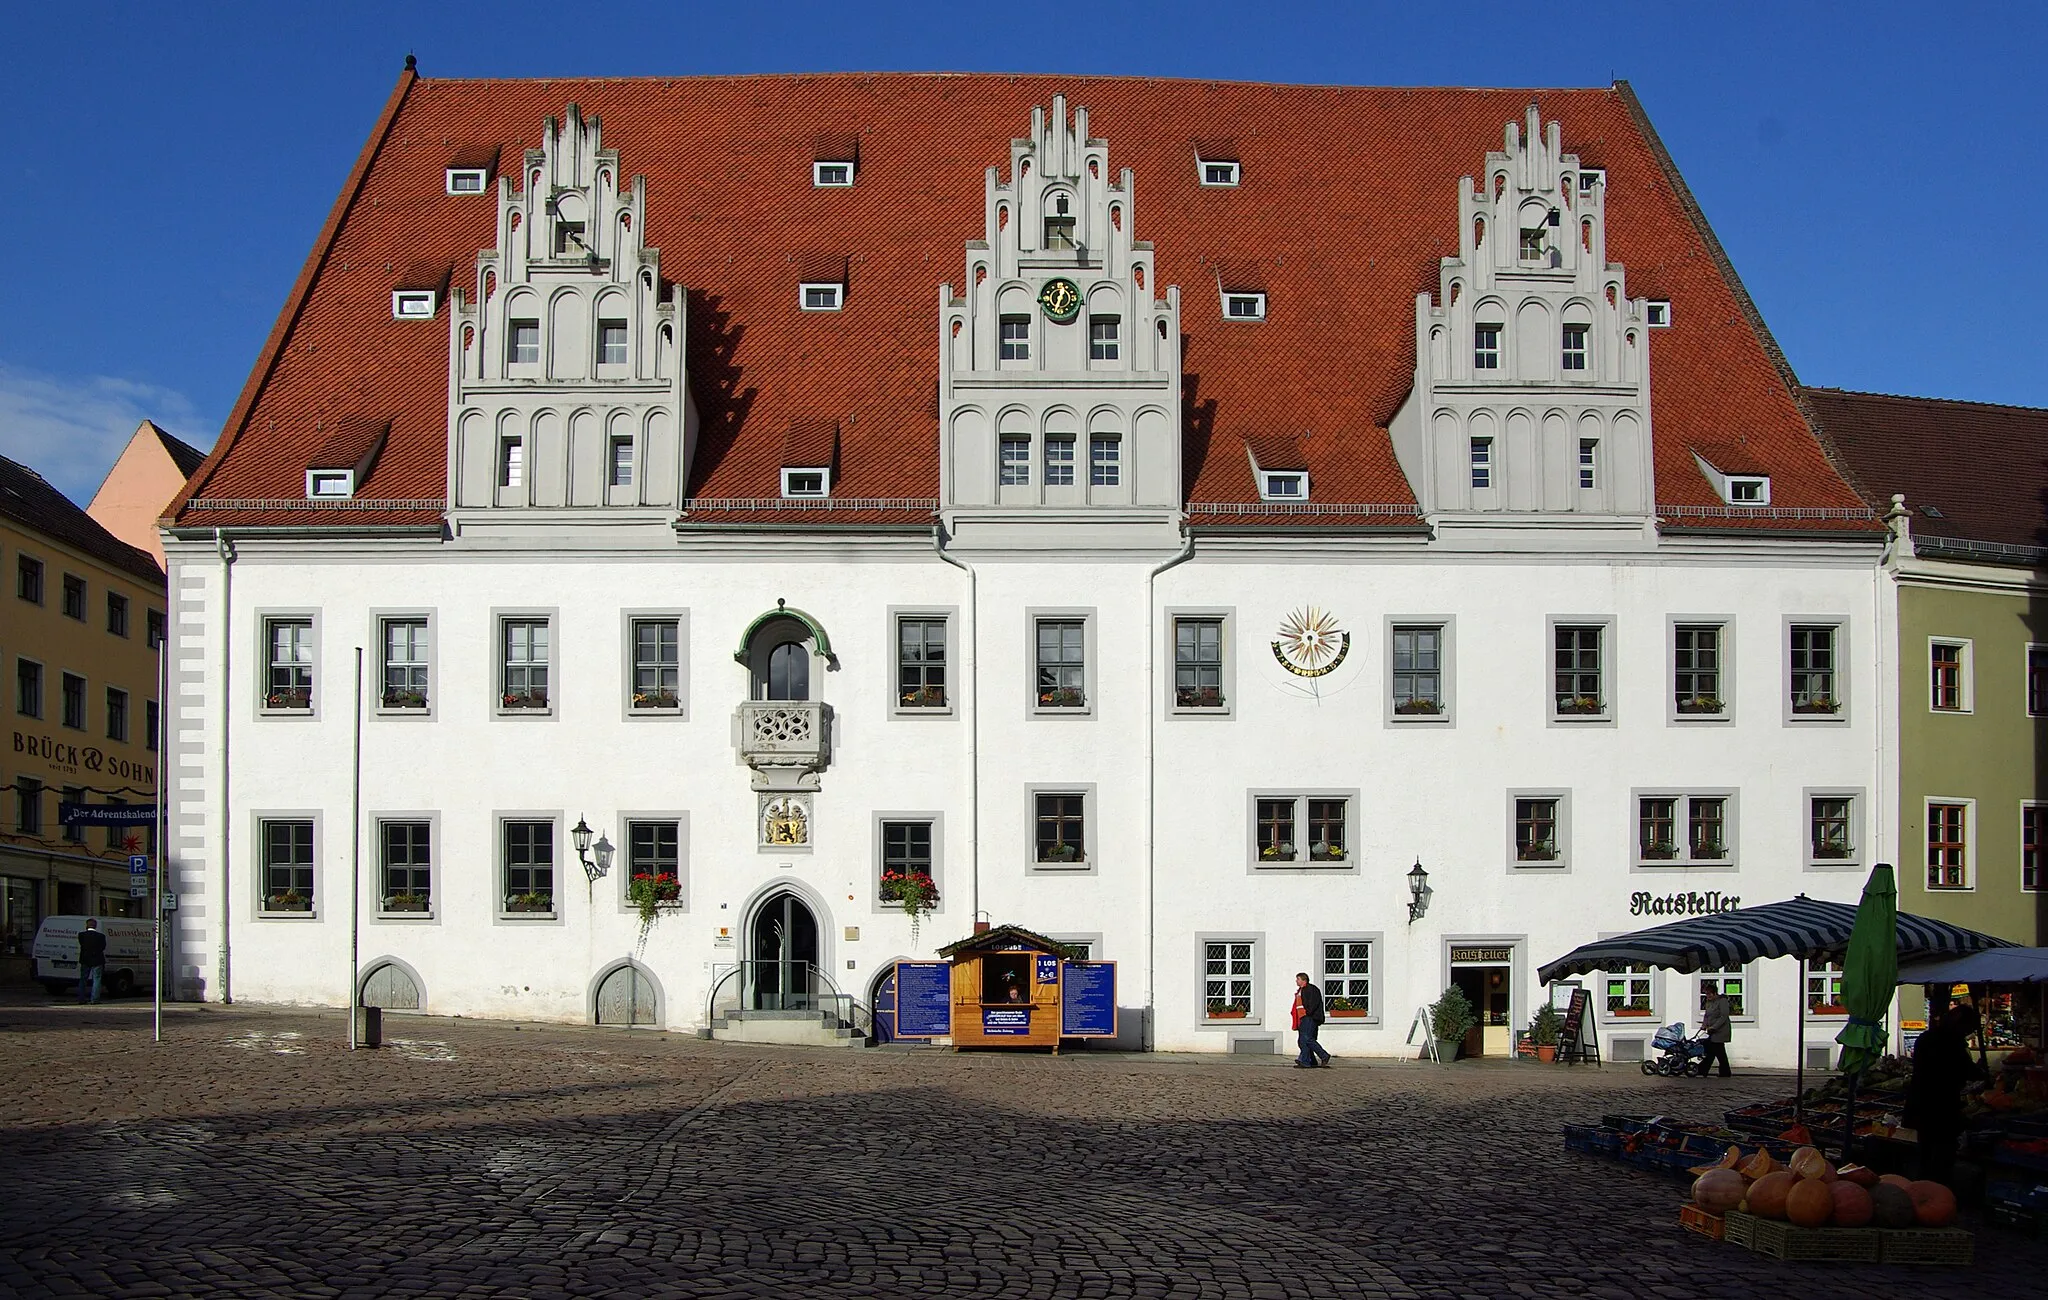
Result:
{"points": [[1308, 1021]]}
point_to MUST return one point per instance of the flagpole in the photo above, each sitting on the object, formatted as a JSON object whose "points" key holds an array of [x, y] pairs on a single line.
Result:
{"points": [[355, 865]]}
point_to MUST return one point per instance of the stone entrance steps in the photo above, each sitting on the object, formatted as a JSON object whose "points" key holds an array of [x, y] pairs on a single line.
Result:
{"points": [[798, 1028]]}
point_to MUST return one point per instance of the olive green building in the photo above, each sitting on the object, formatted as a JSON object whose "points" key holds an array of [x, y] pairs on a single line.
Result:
{"points": [[1965, 488]]}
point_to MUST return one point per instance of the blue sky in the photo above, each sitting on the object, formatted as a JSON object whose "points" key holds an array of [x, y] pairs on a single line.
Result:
{"points": [[169, 165]]}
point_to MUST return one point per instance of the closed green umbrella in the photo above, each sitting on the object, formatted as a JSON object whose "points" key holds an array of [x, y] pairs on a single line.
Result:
{"points": [[1870, 972]]}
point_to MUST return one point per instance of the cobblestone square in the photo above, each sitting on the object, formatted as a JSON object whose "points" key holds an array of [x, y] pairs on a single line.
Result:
{"points": [[252, 1154]]}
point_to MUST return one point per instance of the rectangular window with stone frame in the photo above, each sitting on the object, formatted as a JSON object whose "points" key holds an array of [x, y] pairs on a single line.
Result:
{"points": [[1062, 828], [1628, 992], [523, 663], [1536, 831], [657, 665], [28, 805], [1059, 460], [1824, 989], [1228, 972], [1813, 670], [1948, 845], [1828, 828], [117, 614], [288, 670], [1578, 688], [1418, 678], [529, 866], [74, 597], [654, 849], [1656, 828], [906, 850], [1276, 831], [1486, 347], [28, 688], [1198, 663], [28, 579], [920, 663], [1016, 461], [1706, 825], [117, 714], [288, 875], [1014, 338], [1347, 979], [1696, 669], [407, 857], [405, 664], [1062, 664], [1105, 460], [74, 701], [2034, 848], [1102, 338]]}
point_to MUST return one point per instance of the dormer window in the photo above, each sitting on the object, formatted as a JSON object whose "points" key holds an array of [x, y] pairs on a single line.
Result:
{"points": [[1745, 483], [806, 482], [1244, 306], [832, 175], [1749, 491], [465, 180], [822, 297], [1283, 485], [330, 484], [1658, 313], [1059, 223], [412, 304], [569, 239], [1217, 174], [1590, 178]]}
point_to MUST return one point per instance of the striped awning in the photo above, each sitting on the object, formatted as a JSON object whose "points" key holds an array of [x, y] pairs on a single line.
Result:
{"points": [[1798, 927]]}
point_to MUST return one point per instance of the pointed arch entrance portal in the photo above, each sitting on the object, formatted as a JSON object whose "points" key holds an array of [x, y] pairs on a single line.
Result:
{"points": [[784, 950]]}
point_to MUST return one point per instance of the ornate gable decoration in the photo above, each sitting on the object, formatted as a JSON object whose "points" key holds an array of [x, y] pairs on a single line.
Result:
{"points": [[1532, 390]]}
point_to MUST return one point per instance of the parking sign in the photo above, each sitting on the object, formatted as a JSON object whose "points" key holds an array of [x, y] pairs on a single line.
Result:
{"points": [[138, 864]]}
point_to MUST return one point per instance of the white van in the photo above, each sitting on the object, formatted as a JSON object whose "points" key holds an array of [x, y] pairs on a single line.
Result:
{"points": [[131, 954]]}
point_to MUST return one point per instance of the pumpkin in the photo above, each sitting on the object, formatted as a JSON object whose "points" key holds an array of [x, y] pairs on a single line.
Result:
{"points": [[1896, 1180], [1852, 1204], [1809, 1204], [1718, 1190], [1757, 1166], [1767, 1194], [1807, 1162], [1891, 1206], [1934, 1206], [1861, 1175], [1727, 1161]]}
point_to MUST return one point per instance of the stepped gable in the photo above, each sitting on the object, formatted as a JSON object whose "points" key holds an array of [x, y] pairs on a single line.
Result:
{"points": [[1348, 199]]}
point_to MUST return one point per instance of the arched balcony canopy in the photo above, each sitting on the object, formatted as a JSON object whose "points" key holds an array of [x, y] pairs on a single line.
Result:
{"points": [[821, 643]]}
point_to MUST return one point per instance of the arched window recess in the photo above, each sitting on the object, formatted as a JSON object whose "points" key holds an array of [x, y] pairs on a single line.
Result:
{"points": [[777, 649]]}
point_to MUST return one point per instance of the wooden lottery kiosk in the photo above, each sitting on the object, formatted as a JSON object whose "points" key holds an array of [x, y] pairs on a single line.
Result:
{"points": [[1006, 987]]}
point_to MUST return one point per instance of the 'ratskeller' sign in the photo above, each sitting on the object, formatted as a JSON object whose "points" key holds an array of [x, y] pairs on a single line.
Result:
{"points": [[1644, 903]]}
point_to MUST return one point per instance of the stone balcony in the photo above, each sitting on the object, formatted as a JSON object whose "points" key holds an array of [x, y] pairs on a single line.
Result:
{"points": [[787, 742]]}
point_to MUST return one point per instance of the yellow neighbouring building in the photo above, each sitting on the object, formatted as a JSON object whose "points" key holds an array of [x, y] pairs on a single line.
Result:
{"points": [[81, 622]]}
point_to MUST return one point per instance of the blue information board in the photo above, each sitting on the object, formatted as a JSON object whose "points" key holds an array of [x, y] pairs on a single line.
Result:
{"points": [[924, 999], [1088, 999], [1006, 1020], [1048, 969]]}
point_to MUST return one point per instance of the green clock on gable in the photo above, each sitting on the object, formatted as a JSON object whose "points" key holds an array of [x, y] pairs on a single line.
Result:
{"points": [[1061, 300]]}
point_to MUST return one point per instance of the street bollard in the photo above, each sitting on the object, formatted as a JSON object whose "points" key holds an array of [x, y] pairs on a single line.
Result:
{"points": [[370, 1026]]}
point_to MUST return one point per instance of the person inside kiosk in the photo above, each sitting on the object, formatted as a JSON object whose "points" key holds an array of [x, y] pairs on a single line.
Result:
{"points": [[1004, 976]]}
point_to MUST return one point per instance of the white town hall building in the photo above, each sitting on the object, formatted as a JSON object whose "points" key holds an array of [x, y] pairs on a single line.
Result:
{"points": [[1169, 523]]}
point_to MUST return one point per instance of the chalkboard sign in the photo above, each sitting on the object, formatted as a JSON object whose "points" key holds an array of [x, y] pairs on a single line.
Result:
{"points": [[1577, 1040], [924, 999], [1088, 999]]}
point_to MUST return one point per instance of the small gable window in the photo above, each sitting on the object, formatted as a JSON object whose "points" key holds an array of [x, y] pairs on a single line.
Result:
{"points": [[806, 482], [1283, 485], [823, 297], [1590, 178], [524, 349], [1244, 306], [1532, 244], [465, 180], [619, 465], [1059, 223], [1102, 338], [1749, 491], [1015, 338], [1217, 174], [611, 343], [1659, 316], [1574, 347], [412, 304], [1486, 347], [832, 175], [330, 484], [569, 239]]}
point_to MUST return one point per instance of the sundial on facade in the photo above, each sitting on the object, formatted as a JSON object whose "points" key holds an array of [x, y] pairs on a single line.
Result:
{"points": [[1310, 643]]}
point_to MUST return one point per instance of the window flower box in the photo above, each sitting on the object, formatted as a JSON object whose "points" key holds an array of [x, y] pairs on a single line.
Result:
{"points": [[1827, 1009], [1221, 1010], [1709, 852], [1277, 853], [1628, 1013], [533, 902], [406, 903], [523, 700], [1062, 697], [1059, 853], [1661, 851], [1832, 852], [1544, 852], [296, 698], [1346, 1009], [1198, 697], [924, 697], [1700, 704], [1326, 853], [1816, 704], [290, 900], [652, 700], [1579, 706], [1418, 708], [397, 697]]}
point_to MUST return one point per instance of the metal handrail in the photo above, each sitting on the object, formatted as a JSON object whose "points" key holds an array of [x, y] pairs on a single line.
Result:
{"points": [[739, 987]]}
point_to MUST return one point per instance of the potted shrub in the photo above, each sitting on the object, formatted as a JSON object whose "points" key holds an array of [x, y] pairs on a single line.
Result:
{"points": [[1418, 707], [924, 697], [290, 900], [531, 901], [1343, 1008], [299, 697], [1326, 852], [1059, 852], [1700, 704], [524, 699], [1060, 697], [406, 902], [1277, 853], [1536, 851], [1660, 850], [404, 697], [1832, 850], [658, 699], [1543, 1031], [1579, 705], [1709, 849], [1816, 704], [1198, 697], [1450, 1018], [1232, 1010]]}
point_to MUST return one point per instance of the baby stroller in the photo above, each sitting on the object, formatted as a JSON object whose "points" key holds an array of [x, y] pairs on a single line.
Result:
{"points": [[1679, 1056]]}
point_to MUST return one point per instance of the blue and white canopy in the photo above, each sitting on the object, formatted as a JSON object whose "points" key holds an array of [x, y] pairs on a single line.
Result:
{"points": [[1798, 927]]}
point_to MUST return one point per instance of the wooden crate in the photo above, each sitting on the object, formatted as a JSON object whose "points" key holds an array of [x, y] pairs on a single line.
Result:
{"points": [[1837, 1245], [1705, 1222], [1926, 1246]]}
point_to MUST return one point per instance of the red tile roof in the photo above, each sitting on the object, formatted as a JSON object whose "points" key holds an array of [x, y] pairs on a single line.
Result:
{"points": [[810, 443], [1349, 197], [27, 499], [1981, 468], [1276, 450]]}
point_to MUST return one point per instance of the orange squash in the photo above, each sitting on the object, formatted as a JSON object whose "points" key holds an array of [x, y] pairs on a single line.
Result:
{"points": [[1934, 1206], [1861, 1175], [1852, 1204], [1807, 1162], [1809, 1204], [1767, 1194], [1897, 1180], [1757, 1166], [1718, 1190], [1891, 1206]]}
